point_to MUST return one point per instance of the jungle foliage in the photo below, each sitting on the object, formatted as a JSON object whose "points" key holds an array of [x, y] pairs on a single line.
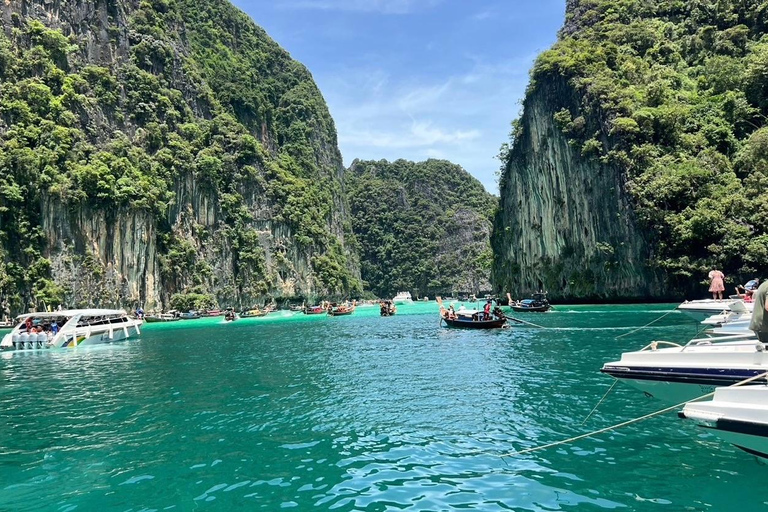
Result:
{"points": [[674, 94], [197, 91], [421, 227]]}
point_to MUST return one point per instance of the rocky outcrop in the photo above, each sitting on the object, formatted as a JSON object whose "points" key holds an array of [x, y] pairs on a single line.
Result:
{"points": [[565, 223], [229, 138], [422, 227]]}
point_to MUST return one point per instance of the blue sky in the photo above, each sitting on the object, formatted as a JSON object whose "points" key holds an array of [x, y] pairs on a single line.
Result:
{"points": [[417, 79]]}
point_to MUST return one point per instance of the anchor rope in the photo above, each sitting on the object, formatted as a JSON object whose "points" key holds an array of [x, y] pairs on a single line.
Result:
{"points": [[526, 323], [646, 325], [598, 403], [628, 422]]}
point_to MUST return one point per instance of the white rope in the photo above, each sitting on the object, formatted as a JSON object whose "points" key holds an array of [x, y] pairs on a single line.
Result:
{"points": [[646, 325], [625, 423], [598, 403], [526, 323]]}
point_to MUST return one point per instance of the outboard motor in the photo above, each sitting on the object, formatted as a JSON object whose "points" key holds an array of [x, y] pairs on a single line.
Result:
{"points": [[15, 340], [23, 340], [42, 338]]}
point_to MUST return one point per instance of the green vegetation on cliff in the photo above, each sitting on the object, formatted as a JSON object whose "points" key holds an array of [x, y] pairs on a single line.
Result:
{"points": [[180, 91], [673, 94], [422, 227]]}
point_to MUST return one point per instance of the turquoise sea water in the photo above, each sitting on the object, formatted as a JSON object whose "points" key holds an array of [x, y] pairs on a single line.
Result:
{"points": [[357, 413]]}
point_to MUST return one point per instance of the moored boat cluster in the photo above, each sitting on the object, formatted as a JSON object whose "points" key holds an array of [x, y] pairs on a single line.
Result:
{"points": [[727, 366]]}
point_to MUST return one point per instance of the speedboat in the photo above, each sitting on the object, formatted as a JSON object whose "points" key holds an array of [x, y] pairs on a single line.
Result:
{"points": [[702, 309], [738, 415], [70, 328], [403, 298], [678, 373], [170, 316], [189, 315]]}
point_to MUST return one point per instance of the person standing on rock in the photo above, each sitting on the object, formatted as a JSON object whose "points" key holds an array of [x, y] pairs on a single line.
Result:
{"points": [[716, 286], [759, 322]]}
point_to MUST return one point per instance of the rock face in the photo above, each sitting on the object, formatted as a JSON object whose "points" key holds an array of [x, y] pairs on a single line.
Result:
{"points": [[191, 152], [422, 227], [565, 223]]}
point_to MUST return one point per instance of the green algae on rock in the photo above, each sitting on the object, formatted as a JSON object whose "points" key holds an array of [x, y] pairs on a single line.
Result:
{"points": [[636, 163], [151, 147]]}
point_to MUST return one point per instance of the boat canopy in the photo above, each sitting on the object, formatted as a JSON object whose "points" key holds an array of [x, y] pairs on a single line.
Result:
{"points": [[72, 312]]}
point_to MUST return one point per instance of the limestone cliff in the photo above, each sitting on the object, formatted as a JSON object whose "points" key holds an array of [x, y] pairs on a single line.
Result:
{"points": [[155, 147], [565, 223], [422, 227], [639, 162]]}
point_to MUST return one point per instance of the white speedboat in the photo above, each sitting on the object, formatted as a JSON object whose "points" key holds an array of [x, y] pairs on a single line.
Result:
{"points": [[70, 328], [738, 415], [170, 316], [702, 309], [403, 298], [677, 373]]}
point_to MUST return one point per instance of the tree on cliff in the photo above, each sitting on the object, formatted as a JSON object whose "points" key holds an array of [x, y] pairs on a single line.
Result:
{"points": [[422, 227], [673, 95], [184, 118]]}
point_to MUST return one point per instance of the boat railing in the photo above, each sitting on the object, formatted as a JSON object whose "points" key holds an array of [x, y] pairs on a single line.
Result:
{"points": [[654, 345], [749, 340]]}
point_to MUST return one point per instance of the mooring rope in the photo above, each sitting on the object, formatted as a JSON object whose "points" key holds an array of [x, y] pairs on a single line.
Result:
{"points": [[526, 323], [628, 422], [646, 325], [598, 403]]}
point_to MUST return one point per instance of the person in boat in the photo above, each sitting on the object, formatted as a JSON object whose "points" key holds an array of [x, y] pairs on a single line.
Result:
{"points": [[451, 313], [759, 322], [487, 311], [717, 284]]}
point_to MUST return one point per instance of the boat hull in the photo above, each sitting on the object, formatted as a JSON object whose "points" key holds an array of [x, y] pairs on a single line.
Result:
{"points": [[532, 309], [475, 324], [341, 313], [82, 338], [737, 433], [738, 415], [700, 310], [677, 385]]}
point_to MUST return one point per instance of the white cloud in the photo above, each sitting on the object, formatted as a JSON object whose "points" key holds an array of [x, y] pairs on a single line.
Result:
{"points": [[381, 6], [463, 118], [482, 15]]}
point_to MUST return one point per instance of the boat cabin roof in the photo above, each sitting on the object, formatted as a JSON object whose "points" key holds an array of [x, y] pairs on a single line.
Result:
{"points": [[69, 313]]}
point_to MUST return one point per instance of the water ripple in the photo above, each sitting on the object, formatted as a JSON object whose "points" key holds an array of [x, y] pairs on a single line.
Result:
{"points": [[355, 413]]}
